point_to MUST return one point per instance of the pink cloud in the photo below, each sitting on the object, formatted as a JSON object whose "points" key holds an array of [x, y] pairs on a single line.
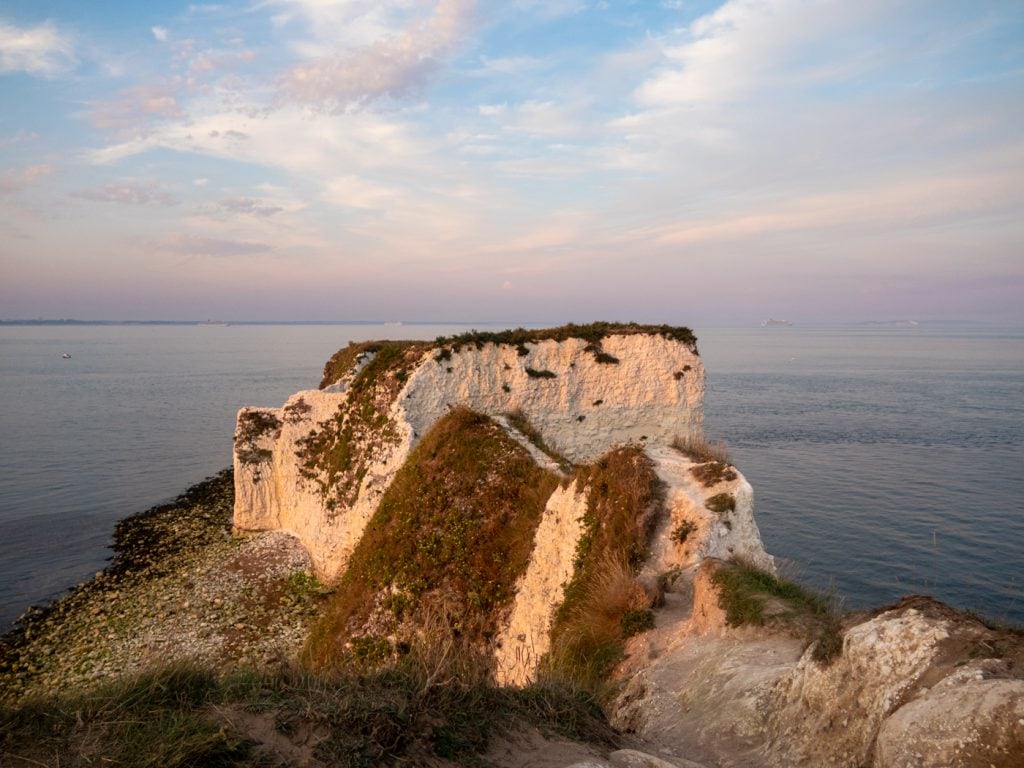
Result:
{"points": [[393, 66]]}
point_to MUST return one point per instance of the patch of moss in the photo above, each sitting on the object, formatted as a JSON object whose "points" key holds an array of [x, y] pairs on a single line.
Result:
{"points": [[454, 530]]}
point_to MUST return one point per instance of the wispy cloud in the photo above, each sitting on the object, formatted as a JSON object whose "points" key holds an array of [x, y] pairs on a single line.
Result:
{"points": [[393, 66], [15, 179], [136, 107], [128, 193], [248, 206], [40, 50]]}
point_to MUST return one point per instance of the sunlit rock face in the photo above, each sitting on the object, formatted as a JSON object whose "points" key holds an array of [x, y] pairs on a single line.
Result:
{"points": [[642, 388]]}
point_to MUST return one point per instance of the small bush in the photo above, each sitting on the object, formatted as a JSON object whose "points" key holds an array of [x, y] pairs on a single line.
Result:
{"points": [[682, 531], [605, 359], [533, 373], [635, 621], [713, 473], [721, 503]]}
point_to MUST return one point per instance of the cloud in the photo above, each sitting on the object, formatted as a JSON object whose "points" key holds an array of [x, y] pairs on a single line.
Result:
{"points": [[136, 107], [747, 47], [197, 245], [14, 179], [249, 206], [160, 33], [40, 50], [128, 193], [392, 66]]}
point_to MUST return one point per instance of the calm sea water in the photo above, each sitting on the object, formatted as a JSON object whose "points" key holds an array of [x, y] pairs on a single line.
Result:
{"points": [[884, 461]]}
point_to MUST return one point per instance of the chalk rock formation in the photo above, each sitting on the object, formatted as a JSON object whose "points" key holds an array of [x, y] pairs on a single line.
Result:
{"points": [[317, 467], [915, 685]]}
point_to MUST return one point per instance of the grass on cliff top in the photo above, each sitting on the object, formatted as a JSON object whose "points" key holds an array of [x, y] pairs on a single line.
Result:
{"points": [[603, 602], [451, 534], [436, 703], [591, 332], [750, 595], [344, 360]]}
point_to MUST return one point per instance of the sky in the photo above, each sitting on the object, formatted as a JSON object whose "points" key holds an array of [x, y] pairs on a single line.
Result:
{"points": [[520, 161]]}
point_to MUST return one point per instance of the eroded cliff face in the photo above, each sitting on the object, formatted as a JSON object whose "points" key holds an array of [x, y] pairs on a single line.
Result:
{"points": [[317, 467]]}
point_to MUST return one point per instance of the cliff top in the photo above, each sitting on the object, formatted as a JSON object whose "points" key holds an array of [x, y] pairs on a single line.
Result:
{"points": [[593, 333]]}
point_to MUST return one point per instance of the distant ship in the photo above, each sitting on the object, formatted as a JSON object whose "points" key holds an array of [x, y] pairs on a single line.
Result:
{"points": [[771, 322], [66, 355]]}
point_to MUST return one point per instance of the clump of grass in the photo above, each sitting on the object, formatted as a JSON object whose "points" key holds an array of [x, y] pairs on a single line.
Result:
{"points": [[682, 531], [696, 448], [454, 530], [252, 426], [721, 503], [744, 592], [154, 720], [436, 702], [623, 496], [533, 373], [713, 473], [522, 424]]}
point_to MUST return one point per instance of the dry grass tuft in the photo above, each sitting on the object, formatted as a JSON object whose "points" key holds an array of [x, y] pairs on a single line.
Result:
{"points": [[696, 448]]}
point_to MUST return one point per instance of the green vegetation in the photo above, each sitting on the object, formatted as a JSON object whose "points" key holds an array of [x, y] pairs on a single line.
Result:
{"points": [[713, 473], [252, 426], [435, 703], [451, 535], [592, 332], [521, 423], [296, 412], [721, 503], [749, 595], [682, 531], [587, 634], [635, 621], [533, 373], [337, 455]]}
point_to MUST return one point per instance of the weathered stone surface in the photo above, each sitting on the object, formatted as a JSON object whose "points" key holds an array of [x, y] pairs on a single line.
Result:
{"points": [[967, 720], [652, 394], [525, 639]]}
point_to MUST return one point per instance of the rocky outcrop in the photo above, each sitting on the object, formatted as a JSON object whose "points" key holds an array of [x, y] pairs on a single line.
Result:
{"points": [[581, 396], [915, 685]]}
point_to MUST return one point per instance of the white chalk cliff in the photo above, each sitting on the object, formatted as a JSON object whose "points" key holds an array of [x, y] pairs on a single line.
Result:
{"points": [[581, 407]]}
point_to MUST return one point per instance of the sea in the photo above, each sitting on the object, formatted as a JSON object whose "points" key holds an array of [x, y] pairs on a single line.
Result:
{"points": [[885, 459]]}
